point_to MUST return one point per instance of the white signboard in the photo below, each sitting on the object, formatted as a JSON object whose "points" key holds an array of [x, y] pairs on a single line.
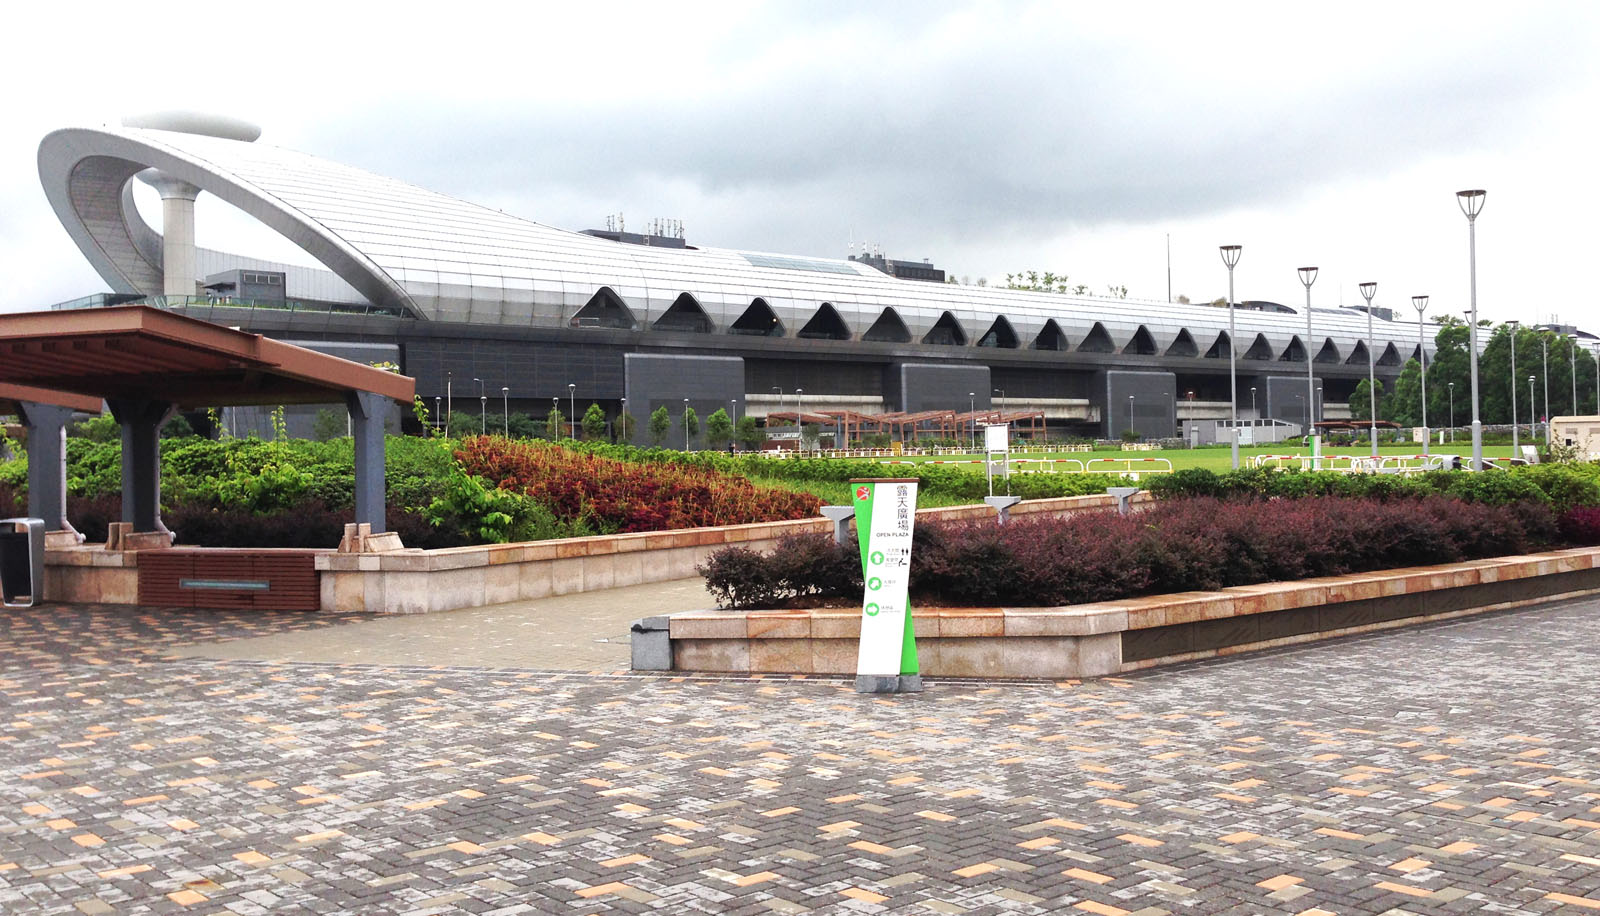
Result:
{"points": [[885, 513], [997, 438]]}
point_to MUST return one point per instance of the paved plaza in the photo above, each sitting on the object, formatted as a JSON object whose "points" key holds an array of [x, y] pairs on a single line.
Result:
{"points": [[1444, 769]]}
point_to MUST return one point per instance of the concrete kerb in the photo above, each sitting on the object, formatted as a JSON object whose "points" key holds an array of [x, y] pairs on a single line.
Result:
{"points": [[1122, 636]]}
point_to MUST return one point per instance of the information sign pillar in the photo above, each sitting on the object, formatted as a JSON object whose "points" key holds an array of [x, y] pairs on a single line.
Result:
{"points": [[886, 510]]}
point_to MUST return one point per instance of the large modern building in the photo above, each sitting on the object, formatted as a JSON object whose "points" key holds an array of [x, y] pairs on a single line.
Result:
{"points": [[491, 307]]}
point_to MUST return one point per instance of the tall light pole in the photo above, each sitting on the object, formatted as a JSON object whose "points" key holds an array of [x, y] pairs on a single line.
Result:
{"points": [[1513, 326], [1597, 378], [779, 390], [1130, 412], [1544, 349], [483, 407], [437, 416], [797, 393], [972, 416], [1452, 387], [449, 398], [1531, 431], [626, 423], [1420, 303], [1471, 203], [1308, 276], [1253, 401], [572, 408], [1368, 290], [505, 408], [686, 424], [1572, 353], [1230, 257]]}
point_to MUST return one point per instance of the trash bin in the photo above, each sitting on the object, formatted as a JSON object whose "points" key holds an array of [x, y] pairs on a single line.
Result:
{"points": [[21, 561]]}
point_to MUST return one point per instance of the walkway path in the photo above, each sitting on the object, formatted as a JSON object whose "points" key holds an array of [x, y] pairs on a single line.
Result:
{"points": [[1444, 769], [582, 632]]}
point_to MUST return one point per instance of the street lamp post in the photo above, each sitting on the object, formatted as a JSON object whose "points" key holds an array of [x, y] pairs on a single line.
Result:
{"points": [[1597, 378], [1513, 326], [1420, 303], [572, 408], [1368, 290], [1308, 276], [437, 416], [1531, 432], [797, 393], [1452, 387], [483, 402], [972, 417], [1130, 412], [1544, 349], [1230, 257], [1572, 353], [505, 408], [686, 424], [1471, 203], [625, 423], [449, 398], [1253, 403]]}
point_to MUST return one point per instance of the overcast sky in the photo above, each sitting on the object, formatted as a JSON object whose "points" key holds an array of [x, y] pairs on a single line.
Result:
{"points": [[989, 137]]}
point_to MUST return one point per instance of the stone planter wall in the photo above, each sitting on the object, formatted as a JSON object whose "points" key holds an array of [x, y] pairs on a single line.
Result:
{"points": [[1114, 637]]}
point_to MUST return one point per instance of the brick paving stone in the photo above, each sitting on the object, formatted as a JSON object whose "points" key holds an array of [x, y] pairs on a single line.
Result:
{"points": [[1444, 769]]}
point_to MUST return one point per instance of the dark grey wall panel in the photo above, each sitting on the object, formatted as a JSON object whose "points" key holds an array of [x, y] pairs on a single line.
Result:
{"points": [[930, 386], [659, 380], [1286, 398], [1152, 412]]}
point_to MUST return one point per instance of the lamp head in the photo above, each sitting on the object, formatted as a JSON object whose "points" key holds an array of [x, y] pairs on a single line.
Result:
{"points": [[1471, 202], [1230, 255], [1420, 303], [1308, 276], [1368, 290]]}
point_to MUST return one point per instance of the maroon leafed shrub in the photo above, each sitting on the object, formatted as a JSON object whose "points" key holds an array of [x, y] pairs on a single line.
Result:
{"points": [[1581, 526], [1177, 545]]}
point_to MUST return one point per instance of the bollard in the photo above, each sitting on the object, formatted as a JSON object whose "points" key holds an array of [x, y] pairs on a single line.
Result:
{"points": [[650, 645], [1122, 495], [840, 516]]}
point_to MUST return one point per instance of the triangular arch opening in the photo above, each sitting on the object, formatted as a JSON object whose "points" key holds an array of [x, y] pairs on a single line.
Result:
{"points": [[684, 314], [759, 320], [1050, 337], [1000, 334], [825, 325], [1390, 357], [1329, 352], [1221, 348], [1184, 345], [1141, 344], [1098, 340], [946, 332], [1295, 352], [605, 309], [1358, 354], [1416, 353], [888, 329], [1259, 349]]}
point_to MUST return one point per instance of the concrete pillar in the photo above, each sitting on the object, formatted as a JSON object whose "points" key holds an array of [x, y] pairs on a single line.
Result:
{"points": [[47, 464], [141, 460], [366, 422], [179, 265]]}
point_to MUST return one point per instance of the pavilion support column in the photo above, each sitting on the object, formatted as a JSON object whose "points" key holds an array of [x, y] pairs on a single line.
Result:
{"points": [[141, 460], [47, 465], [366, 421]]}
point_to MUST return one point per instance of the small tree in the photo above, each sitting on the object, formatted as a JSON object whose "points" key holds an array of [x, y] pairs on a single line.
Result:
{"points": [[555, 426], [594, 422], [178, 428], [719, 429], [522, 426], [660, 424], [327, 425], [749, 435], [691, 427], [623, 426], [809, 434]]}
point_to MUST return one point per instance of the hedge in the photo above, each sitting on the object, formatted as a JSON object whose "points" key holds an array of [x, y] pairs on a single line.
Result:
{"points": [[1563, 487], [1202, 543]]}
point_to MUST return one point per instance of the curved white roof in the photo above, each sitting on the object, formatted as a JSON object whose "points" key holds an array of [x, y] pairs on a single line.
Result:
{"points": [[438, 258]]}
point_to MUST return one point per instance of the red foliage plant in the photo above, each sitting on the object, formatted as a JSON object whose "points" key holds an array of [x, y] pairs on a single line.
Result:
{"points": [[624, 496]]}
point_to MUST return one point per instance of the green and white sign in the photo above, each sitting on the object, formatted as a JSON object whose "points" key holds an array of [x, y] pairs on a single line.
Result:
{"points": [[885, 513]]}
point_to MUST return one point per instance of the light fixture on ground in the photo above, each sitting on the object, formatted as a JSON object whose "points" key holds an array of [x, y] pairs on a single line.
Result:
{"points": [[1230, 257], [1472, 204], [1513, 326], [1420, 303], [1308, 276], [1368, 290]]}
